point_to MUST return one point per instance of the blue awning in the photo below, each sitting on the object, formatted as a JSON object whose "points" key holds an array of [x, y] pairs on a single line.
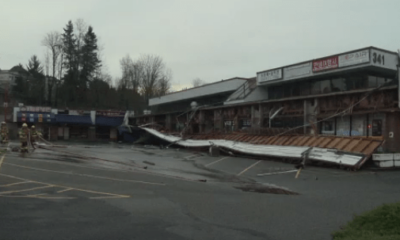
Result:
{"points": [[73, 119], [35, 117], [109, 121]]}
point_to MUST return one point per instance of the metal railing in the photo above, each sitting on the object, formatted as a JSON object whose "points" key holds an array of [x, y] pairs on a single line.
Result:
{"points": [[241, 92]]}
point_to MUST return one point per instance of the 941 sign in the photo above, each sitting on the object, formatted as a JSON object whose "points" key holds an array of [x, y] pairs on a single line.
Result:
{"points": [[378, 58]]}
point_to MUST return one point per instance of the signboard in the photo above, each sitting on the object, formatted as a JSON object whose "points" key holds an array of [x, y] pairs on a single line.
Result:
{"points": [[269, 75], [34, 117], [297, 71], [35, 109], [78, 112], [354, 58], [111, 113], [384, 59], [325, 64]]}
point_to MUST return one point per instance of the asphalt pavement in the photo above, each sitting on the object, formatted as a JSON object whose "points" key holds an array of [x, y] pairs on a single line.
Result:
{"points": [[120, 191]]}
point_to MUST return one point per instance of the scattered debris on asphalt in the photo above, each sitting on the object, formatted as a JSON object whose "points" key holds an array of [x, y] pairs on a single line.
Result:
{"points": [[150, 163], [262, 188]]}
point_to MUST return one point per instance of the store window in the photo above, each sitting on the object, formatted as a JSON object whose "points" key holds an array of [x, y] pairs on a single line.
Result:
{"points": [[275, 92], [356, 82], [338, 85], [343, 126], [229, 125], [316, 87], [305, 89], [374, 126], [390, 81], [372, 82], [328, 127], [380, 81], [377, 127], [287, 91], [296, 89], [326, 86], [359, 125]]}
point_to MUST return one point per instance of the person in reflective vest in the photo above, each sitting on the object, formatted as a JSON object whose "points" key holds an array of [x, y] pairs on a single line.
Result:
{"points": [[34, 135], [4, 133], [23, 137]]}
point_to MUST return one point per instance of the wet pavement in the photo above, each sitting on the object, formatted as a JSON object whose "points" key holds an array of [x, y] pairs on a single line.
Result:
{"points": [[120, 191]]}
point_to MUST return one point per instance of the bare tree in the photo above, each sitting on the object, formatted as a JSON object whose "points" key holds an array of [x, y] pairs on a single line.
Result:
{"points": [[52, 41], [197, 82], [132, 72], [81, 29], [153, 70], [164, 83], [47, 62]]}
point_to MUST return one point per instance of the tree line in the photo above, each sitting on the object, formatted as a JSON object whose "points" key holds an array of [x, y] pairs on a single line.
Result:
{"points": [[72, 75]]}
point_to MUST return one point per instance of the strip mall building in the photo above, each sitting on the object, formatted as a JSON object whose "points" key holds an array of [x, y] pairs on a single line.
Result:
{"points": [[351, 94], [61, 124]]}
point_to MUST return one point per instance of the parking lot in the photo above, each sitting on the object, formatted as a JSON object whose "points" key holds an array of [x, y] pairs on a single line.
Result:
{"points": [[118, 191]]}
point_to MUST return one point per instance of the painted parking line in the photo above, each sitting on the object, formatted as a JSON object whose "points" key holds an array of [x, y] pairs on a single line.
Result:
{"points": [[192, 156], [219, 160], [274, 173], [59, 186], [13, 184], [248, 168], [1, 160], [86, 175], [25, 190], [65, 190]]}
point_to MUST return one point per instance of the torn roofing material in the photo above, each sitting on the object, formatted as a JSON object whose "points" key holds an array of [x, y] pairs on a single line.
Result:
{"points": [[296, 151]]}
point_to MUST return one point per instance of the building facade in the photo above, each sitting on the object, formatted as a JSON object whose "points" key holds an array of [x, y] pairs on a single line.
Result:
{"points": [[351, 94], [65, 124]]}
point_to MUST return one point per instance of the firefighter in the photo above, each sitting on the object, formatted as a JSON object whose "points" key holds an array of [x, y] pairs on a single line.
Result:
{"points": [[4, 133], [34, 136], [23, 137]]}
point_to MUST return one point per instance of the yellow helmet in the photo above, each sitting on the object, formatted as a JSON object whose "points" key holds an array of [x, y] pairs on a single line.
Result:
{"points": [[24, 125], [33, 127]]}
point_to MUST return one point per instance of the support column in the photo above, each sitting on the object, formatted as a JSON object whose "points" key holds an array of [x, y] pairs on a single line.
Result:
{"points": [[253, 117], [168, 122], [201, 121], [218, 121], [261, 117], [92, 133], [113, 134]]}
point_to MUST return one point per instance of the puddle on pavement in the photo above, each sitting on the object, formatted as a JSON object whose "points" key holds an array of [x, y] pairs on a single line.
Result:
{"points": [[260, 188]]}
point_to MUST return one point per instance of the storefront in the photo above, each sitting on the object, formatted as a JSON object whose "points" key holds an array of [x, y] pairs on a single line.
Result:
{"points": [[42, 117], [76, 127], [107, 123]]}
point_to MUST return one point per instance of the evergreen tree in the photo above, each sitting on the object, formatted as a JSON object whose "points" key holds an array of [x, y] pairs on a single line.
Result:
{"points": [[34, 66], [70, 63], [90, 59]]}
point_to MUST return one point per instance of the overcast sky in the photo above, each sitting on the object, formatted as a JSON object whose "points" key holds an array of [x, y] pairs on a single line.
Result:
{"points": [[208, 39]]}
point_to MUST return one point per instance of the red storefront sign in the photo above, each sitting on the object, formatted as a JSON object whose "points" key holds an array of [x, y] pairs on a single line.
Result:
{"points": [[325, 64]]}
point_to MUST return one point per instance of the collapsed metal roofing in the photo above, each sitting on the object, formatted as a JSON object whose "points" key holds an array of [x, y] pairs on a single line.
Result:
{"points": [[351, 152]]}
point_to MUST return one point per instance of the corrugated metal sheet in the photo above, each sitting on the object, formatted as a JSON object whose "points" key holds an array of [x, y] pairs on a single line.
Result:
{"points": [[337, 150]]}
